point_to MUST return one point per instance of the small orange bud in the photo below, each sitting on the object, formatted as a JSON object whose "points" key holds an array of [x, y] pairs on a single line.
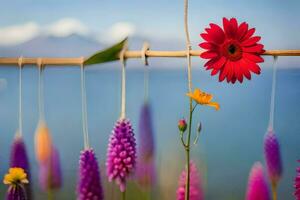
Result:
{"points": [[43, 142]]}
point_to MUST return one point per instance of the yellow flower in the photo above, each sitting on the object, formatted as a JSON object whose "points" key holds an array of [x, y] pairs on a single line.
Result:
{"points": [[15, 176], [203, 98]]}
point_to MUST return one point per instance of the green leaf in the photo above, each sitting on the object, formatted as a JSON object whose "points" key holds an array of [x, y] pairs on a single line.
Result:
{"points": [[106, 55]]}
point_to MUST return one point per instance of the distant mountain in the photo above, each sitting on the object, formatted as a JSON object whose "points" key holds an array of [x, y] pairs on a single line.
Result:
{"points": [[50, 46], [78, 45]]}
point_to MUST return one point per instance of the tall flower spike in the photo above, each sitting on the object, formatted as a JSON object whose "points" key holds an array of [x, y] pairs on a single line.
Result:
{"points": [[297, 184], [121, 153], [43, 142], [89, 184], [16, 178], [196, 191], [50, 173], [257, 184], [273, 157], [18, 158], [145, 172]]}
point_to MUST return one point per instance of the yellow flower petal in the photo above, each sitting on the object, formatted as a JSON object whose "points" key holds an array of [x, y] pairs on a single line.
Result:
{"points": [[197, 92], [215, 105], [15, 175]]}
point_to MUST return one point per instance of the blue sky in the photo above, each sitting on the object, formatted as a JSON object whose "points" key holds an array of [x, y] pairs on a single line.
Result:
{"points": [[277, 21]]}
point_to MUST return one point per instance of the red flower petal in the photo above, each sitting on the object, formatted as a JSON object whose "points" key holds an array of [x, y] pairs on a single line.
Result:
{"points": [[236, 70], [220, 63], [253, 57], [239, 73], [230, 27], [248, 65], [209, 67], [208, 45], [224, 72], [214, 72], [207, 30], [226, 25], [230, 71], [233, 80], [206, 37], [216, 33], [248, 34], [253, 67], [258, 48], [210, 62], [208, 54], [242, 30], [251, 41], [246, 73], [234, 25]]}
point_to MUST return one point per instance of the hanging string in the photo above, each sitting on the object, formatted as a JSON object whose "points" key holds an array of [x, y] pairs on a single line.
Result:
{"points": [[84, 107], [145, 48], [272, 104], [123, 83], [20, 63], [188, 45], [41, 90]]}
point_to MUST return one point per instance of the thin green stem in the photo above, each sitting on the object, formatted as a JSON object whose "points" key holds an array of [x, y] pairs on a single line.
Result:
{"points": [[182, 139], [50, 194], [274, 191], [187, 151], [194, 107], [124, 195]]}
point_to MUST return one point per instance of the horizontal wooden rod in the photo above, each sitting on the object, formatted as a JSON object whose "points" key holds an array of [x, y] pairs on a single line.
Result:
{"points": [[128, 54]]}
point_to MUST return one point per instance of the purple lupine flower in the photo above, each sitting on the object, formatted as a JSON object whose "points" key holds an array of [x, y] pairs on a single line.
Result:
{"points": [[50, 173], [272, 157], [145, 172], [89, 183], [121, 153], [18, 155], [297, 184], [18, 158], [196, 191], [146, 137], [17, 192], [257, 185]]}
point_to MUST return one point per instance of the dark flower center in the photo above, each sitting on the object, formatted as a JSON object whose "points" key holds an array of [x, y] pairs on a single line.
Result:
{"points": [[232, 50]]}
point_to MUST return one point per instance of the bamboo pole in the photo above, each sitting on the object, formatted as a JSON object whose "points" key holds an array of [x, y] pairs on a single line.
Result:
{"points": [[128, 54]]}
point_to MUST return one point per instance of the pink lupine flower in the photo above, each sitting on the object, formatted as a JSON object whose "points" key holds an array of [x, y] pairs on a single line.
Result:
{"points": [[196, 191], [121, 153], [257, 185]]}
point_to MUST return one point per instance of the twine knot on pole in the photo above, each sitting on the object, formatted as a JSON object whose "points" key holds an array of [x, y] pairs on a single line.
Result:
{"points": [[123, 83], [144, 50]]}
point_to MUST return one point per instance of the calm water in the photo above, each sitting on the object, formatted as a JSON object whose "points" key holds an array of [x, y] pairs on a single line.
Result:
{"points": [[231, 140]]}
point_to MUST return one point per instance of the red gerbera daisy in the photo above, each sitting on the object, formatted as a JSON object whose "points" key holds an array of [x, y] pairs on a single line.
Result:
{"points": [[233, 52]]}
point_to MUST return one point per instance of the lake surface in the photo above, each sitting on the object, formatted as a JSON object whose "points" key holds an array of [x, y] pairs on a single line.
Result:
{"points": [[230, 142]]}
